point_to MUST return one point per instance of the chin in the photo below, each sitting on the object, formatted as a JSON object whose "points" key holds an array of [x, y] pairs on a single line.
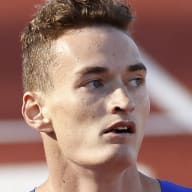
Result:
{"points": [[109, 159]]}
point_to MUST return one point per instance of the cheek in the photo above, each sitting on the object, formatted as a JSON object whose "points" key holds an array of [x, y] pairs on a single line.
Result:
{"points": [[68, 121], [75, 111], [142, 103], [91, 107]]}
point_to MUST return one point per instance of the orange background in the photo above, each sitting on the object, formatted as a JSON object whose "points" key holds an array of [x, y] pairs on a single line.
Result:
{"points": [[163, 29]]}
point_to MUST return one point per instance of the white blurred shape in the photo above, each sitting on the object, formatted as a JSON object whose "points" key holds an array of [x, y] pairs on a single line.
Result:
{"points": [[22, 178]]}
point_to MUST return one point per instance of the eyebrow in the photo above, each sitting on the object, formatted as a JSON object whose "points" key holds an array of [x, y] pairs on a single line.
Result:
{"points": [[100, 70], [93, 70], [136, 67]]}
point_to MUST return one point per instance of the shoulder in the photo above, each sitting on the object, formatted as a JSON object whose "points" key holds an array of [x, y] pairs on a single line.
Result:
{"points": [[167, 186]]}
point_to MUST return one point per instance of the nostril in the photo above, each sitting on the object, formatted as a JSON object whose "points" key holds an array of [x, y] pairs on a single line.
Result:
{"points": [[123, 109], [118, 109]]}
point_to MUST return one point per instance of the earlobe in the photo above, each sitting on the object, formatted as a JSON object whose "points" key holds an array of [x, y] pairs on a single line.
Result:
{"points": [[32, 111]]}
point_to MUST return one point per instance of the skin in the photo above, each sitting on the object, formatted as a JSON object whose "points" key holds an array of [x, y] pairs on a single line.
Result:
{"points": [[99, 80]]}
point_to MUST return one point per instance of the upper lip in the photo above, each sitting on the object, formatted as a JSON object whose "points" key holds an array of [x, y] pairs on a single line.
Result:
{"points": [[130, 124]]}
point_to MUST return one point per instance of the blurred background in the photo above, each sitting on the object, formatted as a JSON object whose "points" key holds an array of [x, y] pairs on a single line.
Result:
{"points": [[163, 31]]}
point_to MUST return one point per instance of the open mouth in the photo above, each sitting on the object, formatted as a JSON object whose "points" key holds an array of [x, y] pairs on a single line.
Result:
{"points": [[121, 128]]}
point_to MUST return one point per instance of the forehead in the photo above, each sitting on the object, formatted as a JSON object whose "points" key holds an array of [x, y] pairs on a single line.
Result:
{"points": [[94, 38], [96, 45]]}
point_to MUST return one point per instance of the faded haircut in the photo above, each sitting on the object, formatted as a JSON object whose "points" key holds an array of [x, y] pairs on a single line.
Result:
{"points": [[53, 18]]}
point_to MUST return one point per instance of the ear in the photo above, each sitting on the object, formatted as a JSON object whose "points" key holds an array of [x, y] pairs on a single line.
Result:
{"points": [[33, 112]]}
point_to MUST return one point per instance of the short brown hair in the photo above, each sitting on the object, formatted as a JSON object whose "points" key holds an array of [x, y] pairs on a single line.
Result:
{"points": [[54, 17]]}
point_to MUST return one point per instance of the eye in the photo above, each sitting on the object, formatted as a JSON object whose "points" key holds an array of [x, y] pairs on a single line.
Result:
{"points": [[95, 84], [136, 82]]}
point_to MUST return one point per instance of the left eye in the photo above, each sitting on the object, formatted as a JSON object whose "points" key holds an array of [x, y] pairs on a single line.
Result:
{"points": [[136, 82], [95, 84]]}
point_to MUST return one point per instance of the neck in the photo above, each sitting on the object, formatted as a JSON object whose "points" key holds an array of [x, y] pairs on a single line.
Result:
{"points": [[66, 176], [78, 179]]}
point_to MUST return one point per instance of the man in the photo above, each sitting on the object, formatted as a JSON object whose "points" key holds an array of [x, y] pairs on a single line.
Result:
{"points": [[85, 92]]}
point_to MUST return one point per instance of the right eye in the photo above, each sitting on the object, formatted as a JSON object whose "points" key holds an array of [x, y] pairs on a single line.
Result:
{"points": [[94, 84]]}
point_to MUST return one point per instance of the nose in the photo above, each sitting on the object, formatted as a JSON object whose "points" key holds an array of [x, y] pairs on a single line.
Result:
{"points": [[121, 102]]}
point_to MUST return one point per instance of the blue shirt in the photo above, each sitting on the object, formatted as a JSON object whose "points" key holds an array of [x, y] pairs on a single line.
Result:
{"points": [[167, 186]]}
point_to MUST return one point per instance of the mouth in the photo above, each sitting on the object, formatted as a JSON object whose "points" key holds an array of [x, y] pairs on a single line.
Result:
{"points": [[122, 127]]}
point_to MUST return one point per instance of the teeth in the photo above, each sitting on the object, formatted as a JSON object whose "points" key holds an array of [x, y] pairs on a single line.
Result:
{"points": [[122, 128]]}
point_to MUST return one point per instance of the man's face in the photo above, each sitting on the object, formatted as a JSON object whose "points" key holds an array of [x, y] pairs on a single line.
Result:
{"points": [[99, 102]]}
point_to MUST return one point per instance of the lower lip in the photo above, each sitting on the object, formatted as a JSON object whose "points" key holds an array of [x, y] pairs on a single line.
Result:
{"points": [[118, 137]]}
